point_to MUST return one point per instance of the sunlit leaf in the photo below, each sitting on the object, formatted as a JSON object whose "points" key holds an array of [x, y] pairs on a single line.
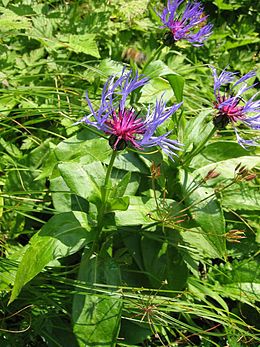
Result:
{"points": [[61, 236]]}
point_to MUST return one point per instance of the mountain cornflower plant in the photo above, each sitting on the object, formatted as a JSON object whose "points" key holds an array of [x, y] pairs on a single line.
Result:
{"points": [[231, 107], [123, 123], [190, 24]]}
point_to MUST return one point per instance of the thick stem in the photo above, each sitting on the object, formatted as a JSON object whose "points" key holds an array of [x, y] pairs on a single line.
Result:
{"points": [[109, 170], [105, 191]]}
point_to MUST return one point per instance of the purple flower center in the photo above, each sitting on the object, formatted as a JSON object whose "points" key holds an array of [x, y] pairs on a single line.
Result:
{"points": [[125, 125], [230, 110]]}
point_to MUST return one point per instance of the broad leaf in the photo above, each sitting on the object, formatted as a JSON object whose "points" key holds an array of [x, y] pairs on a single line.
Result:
{"points": [[62, 235], [218, 151], [120, 189], [83, 180], [241, 198], [196, 131], [130, 162], [84, 147], [226, 168], [205, 210], [81, 44], [138, 212], [163, 264], [177, 84], [96, 317], [157, 68]]}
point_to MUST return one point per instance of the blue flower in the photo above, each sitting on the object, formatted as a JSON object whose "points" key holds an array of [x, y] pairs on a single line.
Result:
{"points": [[191, 25], [125, 126], [231, 107]]}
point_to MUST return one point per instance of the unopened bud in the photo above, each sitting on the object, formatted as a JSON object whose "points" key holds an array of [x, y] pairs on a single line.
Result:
{"points": [[242, 170], [235, 235], [211, 174], [250, 177], [155, 170], [242, 173], [238, 166]]}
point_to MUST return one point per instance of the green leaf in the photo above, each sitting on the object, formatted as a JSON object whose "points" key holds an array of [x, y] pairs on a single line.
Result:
{"points": [[120, 203], [10, 148], [155, 89], [84, 180], [199, 244], [177, 84], [163, 264], [205, 210], [8, 267], [1, 204], [120, 188], [137, 212], [58, 332], [241, 198], [47, 167], [96, 318], [22, 9], [218, 151], [62, 235], [130, 162], [224, 6], [10, 21], [8, 270], [226, 168], [97, 321], [134, 332], [239, 280], [157, 68], [84, 147], [240, 43], [202, 291], [81, 44], [61, 195], [197, 130], [108, 67], [7, 103]]}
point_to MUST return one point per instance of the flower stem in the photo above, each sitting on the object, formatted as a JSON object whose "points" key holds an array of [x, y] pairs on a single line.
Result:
{"points": [[109, 169], [105, 190]]}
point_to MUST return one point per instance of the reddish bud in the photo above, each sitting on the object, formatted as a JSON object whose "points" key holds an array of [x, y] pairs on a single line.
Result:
{"points": [[235, 235], [211, 174], [250, 177]]}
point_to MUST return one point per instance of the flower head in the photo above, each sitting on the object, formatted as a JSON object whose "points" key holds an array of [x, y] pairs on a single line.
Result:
{"points": [[125, 126], [231, 107], [190, 25]]}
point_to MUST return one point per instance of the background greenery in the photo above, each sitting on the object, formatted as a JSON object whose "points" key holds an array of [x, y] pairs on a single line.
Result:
{"points": [[168, 272]]}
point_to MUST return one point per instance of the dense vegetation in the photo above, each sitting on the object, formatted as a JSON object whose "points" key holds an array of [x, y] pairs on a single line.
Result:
{"points": [[170, 256]]}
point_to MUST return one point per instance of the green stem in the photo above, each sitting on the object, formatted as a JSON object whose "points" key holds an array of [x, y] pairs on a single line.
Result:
{"points": [[105, 191], [109, 170], [155, 197], [206, 198]]}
